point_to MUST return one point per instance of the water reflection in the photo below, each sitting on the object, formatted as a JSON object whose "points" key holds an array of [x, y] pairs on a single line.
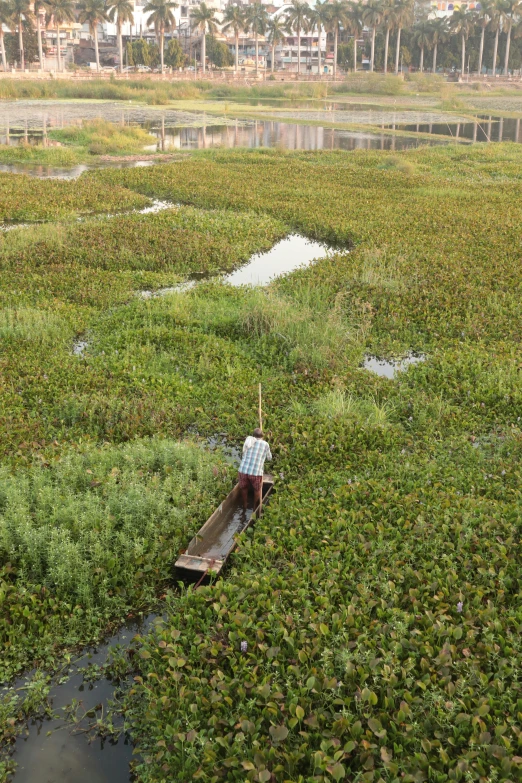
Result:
{"points": [[389, 369], [283, 135], [489, 128], [285, 256], [290, 253]]}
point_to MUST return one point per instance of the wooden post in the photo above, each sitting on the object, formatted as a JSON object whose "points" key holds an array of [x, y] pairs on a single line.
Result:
{"points": [[260, 412]]}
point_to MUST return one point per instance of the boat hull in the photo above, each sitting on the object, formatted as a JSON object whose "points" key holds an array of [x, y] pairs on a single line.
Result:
{"points": [[212, 545]]}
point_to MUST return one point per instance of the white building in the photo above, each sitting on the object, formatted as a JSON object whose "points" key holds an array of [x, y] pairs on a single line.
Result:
{"points": [[286, 58]]}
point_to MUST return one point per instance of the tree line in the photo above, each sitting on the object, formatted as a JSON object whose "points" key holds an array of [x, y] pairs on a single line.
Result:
{"points": [[383, 21]]}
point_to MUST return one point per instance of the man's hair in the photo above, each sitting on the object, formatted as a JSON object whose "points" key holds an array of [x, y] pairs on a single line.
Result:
{"points": [[258, 433]]}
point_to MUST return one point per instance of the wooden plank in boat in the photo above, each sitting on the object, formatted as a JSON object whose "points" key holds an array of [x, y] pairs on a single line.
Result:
{"points": [[201, 564]]}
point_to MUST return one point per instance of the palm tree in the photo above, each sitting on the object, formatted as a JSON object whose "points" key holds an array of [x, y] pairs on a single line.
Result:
{"points": [[61, 11], [296, 16], [318, 19], [483, 18], [496, 21], [354, 24], [389, 18], [422, 38], [21, 11], [510, 9], [93, 12], [234, 19], [6, 18], [461, 23], [256, 18], [38, 7], [372, 17], [121, 12], [403, 17], [276, 28], [204, 18], [161, 15], [439, 34], [336, 17]]}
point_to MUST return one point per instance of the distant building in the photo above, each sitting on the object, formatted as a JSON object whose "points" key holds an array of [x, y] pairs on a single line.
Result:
{"points": [[286, 54], [443, 8]]}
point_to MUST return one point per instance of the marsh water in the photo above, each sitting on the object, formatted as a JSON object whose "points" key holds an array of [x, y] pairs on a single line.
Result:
{"points": [[488, 128], [54, 750], [290, 253], [388, 368], [286, 255], [31, 121]]}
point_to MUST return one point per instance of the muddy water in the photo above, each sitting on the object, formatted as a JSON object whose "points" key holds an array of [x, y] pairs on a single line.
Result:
{"points": [[55, 751]]}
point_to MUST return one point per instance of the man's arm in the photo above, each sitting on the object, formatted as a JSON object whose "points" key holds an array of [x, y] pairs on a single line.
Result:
{"points": [[268, 453]]}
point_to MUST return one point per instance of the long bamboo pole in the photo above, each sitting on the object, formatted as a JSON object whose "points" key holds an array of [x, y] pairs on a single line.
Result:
{"points": [[261, 428]]}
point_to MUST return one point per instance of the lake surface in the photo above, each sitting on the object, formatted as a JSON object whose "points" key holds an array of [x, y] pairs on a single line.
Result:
{"points": [[31, 121]]}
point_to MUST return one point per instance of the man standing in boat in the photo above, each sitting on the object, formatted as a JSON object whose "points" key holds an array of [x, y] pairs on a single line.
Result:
{"points": [[255, 452]]}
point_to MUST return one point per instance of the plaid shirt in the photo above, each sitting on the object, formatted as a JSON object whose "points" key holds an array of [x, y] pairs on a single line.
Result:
{"points": [[254, 457]]}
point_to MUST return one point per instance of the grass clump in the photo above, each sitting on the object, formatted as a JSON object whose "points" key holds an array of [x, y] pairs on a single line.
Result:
{"points": [[370, 84], [400, 164], [338, 404], [30, 324], [100, 137], [92, 536], [37, 154], [315, 328], [99, 89]]}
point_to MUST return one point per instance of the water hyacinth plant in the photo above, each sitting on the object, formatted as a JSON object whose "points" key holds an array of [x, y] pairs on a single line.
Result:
{"points": [[369, 625]]}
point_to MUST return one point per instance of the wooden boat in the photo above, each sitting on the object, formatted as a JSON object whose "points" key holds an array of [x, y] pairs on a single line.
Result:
{"points": [[213, 543]]}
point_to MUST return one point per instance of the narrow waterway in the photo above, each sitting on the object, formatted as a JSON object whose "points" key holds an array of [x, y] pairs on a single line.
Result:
{"points": [[55, 750]]}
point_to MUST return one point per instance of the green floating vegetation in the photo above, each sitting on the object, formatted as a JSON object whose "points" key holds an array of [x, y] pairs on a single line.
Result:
{"points": [[369, 626], [175, 239], [23, 198]]}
